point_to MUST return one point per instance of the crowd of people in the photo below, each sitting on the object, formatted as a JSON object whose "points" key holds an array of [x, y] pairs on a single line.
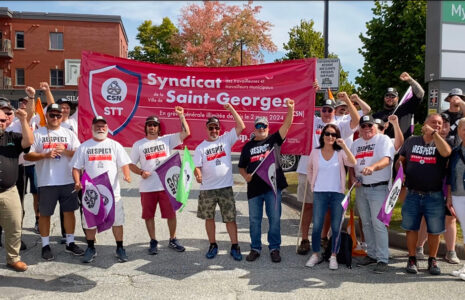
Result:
{"points": [[52, 159]]}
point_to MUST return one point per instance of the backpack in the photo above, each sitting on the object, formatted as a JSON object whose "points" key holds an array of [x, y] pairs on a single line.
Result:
{"points": [[344, 256]]}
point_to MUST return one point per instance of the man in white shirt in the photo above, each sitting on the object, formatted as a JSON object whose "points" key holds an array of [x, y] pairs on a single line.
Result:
{"points": [[97, 156], [52, 151], [151, 151], [213, 170]]}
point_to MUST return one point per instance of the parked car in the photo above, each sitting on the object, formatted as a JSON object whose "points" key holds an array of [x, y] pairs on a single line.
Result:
{"points": [[289, 162]]}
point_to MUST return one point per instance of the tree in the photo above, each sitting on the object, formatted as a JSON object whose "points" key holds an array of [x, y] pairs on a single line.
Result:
{"points": [[394, 43], [305, 42], [156, 42], [213, 34]]}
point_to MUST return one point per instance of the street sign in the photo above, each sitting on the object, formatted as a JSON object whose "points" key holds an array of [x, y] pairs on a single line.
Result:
{"points": [[327, 73]]}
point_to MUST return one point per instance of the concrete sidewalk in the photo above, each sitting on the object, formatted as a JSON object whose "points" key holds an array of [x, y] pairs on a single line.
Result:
{"points": [[396, 239]]}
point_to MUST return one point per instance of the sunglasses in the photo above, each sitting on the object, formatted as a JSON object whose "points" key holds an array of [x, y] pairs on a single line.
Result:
{"points": [[363, 126], [3, 120], [390, 96], [152, 125], [326, 133], [211, 128], [261, 126], [55, 116], [9, 113], [327, 109]]}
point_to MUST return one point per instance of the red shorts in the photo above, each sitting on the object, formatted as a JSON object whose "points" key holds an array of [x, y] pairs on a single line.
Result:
{"points": [[149, 202]]}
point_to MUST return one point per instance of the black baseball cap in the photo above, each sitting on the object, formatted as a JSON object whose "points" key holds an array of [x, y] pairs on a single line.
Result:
{"points": [[329, 103], [153, 119], [445, 117], [367, 119], [391, 91], [213, 120], [54, 107], [99, 119], [5, 103], [67, 101], [379, 122]]}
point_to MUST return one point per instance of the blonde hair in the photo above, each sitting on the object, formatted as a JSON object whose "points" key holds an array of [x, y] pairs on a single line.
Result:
{"points": [[461, 122]]}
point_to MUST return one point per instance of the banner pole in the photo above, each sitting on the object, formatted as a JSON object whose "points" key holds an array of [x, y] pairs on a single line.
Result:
{"points": [[301, 214]]}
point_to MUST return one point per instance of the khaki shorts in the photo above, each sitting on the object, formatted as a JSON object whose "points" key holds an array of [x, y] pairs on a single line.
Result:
{"points": [[225, 199], [301, 190]]}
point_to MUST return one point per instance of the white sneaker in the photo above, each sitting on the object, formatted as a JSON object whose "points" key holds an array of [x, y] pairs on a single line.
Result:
{"points": [[364, 246], [462, 276], [313, 260], [419, 253], [457, 273], [333, 263]]}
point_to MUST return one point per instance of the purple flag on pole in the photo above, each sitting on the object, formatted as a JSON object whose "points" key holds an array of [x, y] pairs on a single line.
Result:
{"points": [[385, 213], [103, 184], [92, 204], [405, 98], [267, 171], [168, 172], [345, 202]]}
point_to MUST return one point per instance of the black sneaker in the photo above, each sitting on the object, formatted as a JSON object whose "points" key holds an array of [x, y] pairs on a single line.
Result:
{"points": [[275, 257], [380, 268], [174, 244], [153, 247], [253, 255], [74, 249], [366, 260], [47, 253], [433, 267], [412, 266], [304, 247]]}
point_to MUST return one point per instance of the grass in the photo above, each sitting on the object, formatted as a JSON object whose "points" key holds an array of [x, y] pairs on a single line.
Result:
{"points": [[396, 219]]}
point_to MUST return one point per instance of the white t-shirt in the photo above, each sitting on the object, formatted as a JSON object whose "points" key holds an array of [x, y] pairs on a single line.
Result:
{"points": [[71, 124], [368, 152], [97, 157], [215, 160], [54, 171], [318, 125], [15, 126], [328, 169], [150, 154]]}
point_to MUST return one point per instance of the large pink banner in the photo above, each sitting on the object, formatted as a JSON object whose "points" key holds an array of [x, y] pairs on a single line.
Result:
{"points": [[126, 91]]}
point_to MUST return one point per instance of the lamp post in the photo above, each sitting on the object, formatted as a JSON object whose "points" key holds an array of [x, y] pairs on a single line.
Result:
{"points": [[325, 29]]}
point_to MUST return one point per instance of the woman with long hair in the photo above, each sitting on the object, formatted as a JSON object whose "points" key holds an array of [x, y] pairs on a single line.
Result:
{"points": [[327, 178]]}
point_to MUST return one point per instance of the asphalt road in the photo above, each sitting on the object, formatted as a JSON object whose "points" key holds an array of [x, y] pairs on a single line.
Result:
{"points": [[173, 275]]}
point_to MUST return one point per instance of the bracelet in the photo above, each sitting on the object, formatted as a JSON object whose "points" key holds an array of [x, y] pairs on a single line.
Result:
{"points": [[434, 131]]}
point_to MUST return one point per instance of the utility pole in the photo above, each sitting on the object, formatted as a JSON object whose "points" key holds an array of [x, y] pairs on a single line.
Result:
{"points": [[325, 29]]}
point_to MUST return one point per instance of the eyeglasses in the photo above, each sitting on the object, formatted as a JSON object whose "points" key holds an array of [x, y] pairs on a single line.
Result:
{"points": [[151, 124], [211, 128], [261, 126], [55, 116], [327, 109], [390, 96], [363, 126], [327, 133], [3, 120]]}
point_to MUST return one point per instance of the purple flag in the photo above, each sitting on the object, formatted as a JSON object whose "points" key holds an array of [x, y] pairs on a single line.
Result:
{"points": [[385, 213], [168, 172], [92, 204], [407, 96], [108, 198], [266, 170], [345, 202]]}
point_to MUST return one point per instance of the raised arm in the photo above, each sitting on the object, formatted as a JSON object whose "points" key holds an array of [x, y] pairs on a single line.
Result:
{"points": [[28, 137], [441, 144], [185, 130], [288, 120], [46, 89], [416, 87], [398, 135], [240, 126], [366, 109], [354, 116], [30, 107]]}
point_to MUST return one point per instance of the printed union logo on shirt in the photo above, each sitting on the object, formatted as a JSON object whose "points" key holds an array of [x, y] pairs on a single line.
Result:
{"points": [[423, 160]]}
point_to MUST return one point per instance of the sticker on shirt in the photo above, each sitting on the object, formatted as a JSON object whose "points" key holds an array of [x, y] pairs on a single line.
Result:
{"points": [[259, 153], [215, 153], [423, 159]]}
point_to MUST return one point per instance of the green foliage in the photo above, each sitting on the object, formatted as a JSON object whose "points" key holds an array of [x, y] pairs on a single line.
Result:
{"points": [[155, 41], [305, 42], [394, 43]]}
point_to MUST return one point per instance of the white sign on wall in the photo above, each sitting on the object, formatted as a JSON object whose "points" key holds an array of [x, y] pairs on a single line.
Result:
{"points": [[72, 71], [327, 73]]}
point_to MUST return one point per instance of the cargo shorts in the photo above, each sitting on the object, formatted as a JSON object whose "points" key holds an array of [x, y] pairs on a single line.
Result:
{"points": [[225, 199]]}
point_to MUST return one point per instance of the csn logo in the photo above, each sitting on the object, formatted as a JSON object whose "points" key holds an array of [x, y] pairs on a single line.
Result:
{"points": [[114, 90]]}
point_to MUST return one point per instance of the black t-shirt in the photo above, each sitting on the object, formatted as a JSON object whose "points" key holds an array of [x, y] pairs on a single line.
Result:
{"points": [[454, 117], [425, 167], [251, 156], [403, 113], [10, 149]]}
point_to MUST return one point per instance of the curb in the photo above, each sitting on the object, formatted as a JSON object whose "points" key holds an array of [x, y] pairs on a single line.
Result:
{"points": [[396, 239]]}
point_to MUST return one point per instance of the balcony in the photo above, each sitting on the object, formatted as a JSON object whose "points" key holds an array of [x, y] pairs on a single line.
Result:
{"points": [[6, 50], [5, 82]]}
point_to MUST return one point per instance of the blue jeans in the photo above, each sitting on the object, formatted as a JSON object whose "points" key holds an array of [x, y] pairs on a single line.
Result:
{"points": [[369, 201], [322, 201], [273, 212], [430, 205]]}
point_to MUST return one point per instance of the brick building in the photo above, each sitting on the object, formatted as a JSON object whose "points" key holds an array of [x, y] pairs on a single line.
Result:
{"points": [[37, 46]]}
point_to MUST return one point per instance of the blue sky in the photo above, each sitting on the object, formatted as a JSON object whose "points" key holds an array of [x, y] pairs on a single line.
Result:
{"points": [[346, 20]]}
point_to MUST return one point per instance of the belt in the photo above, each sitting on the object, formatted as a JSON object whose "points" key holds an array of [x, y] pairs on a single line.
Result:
{"points": [[376, 184], [423, 193]]}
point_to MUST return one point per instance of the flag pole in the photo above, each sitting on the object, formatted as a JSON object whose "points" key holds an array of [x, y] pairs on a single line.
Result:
{"points": [[301, 214], [258, 167]]}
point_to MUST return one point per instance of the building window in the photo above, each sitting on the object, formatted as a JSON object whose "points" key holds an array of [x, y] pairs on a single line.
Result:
{"points": [[20, 77], [56, 77], [19, 39], [56, 40]]}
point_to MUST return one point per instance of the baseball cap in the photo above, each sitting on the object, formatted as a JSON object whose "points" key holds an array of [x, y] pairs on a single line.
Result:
{"points": [[213, 120], [5, 103], [339, 103], [379, 122], [366, 119], [391, 91], [152, 119], [261, 120], [328, 103], [65, 100], [54, 106], [445, 117], [99, 119], [455, 92]]}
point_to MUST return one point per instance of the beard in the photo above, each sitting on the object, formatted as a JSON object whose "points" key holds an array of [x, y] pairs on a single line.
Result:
{"points": [[214, 138], [99, 135], [390, 106]]}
